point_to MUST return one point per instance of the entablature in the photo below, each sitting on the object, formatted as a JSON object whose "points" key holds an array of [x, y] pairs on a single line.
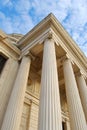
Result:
{"points": [[9, 50], [32, 42]]}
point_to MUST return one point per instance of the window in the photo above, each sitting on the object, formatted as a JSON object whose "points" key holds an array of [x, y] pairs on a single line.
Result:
{"points": [[64, 126], [2, 62]]}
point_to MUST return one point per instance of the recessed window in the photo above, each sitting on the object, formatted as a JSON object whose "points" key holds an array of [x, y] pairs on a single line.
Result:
{"points": [[2, 62], [64, 126]]}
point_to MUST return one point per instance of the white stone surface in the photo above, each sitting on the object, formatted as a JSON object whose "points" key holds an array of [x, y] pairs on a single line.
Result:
{"points": [[14, 109], [77, 117], [50, 110], [7, 80], [83, 92]]}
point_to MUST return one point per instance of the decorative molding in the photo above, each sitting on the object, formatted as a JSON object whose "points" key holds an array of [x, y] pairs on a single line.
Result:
{"points": [[9, 49], [27, 53], [79, 73], [65, 57], [40, 39], [70, 54]]}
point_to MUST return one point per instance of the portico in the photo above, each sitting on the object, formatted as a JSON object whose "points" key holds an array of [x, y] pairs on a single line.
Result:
{"points": [[49, 60]]}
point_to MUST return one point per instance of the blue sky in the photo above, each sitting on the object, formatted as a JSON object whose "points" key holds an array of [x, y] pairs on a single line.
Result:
{"points": [[19, 16]]}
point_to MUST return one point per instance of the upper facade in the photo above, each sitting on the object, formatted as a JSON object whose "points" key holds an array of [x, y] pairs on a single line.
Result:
{"points": [[37, 58], [32, 43]]}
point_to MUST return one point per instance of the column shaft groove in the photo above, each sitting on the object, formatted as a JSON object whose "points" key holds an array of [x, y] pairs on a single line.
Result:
{"points": [[6, 85], [50, 110], [14, 110], [83, 92], [76, 113]]}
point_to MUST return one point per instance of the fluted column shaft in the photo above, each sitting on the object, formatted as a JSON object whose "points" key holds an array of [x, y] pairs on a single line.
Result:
{"points": [[50, 110], [77, 117], [7, 79], [68, 125], [14, 110], [83, 92]]}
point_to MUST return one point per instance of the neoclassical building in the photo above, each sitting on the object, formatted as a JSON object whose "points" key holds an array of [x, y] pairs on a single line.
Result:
{"points": [[43, 80]]}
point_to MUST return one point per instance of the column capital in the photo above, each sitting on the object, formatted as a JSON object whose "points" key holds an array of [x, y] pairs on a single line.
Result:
{"points": [[49, 38], [32, 57], [80, 73], [63, 58], [66, 57], [27, 54], [50, 35]]}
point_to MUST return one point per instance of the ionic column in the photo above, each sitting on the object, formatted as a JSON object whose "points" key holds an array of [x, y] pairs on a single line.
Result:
{"points": [[14, 110], [83, 92], [50, 110], [77, 117], [7, 79]]}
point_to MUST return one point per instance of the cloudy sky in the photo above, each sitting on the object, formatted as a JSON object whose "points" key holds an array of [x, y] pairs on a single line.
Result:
{"points": [[19, 16]]}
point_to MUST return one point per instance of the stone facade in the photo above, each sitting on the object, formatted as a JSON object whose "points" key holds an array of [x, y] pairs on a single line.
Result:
{"points": [[43, 80]]}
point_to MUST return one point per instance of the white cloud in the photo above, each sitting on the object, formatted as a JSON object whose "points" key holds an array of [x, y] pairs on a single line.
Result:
{"points": [[5, 3], [71, 13], [2, 16], [25, 24], [22, 6], [6, 23], [20, 24]]}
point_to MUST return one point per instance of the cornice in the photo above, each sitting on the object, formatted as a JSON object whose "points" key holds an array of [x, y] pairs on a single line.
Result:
{"points": [[38, 29], [58, 28], [62, 37], [40, 39], [10, 49], [71, 54]]}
